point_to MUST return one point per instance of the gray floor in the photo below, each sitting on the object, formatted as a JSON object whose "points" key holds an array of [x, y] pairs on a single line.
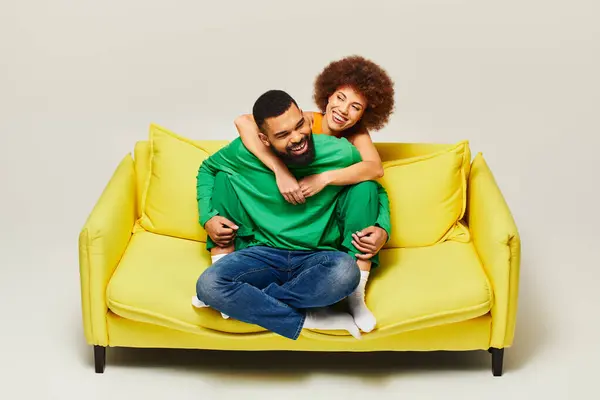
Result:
{"points": [[81, 81]]}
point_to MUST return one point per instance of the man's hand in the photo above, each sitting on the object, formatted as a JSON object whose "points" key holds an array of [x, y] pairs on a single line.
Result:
{"points": [[289, 187], [221, 230], [369, 241], [313, 184]]}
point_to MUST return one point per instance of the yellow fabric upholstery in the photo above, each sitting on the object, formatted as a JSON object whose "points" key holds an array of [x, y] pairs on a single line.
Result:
{"points": [[427, 195], [142, 165], [498, 244], [472, 334], [446, 285], [415, 288], [401, 151], [102, 241], [142, 168], [169, 205], [156, 280], [421, 287], [167, 166]]}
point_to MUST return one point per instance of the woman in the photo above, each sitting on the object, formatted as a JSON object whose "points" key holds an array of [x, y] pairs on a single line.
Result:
{"points": [[355, 96]]}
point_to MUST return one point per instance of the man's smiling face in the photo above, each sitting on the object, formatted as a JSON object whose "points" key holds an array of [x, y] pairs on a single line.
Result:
{"points": [[289, 135]]}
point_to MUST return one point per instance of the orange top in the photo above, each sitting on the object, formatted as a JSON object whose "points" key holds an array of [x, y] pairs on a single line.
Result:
{"points": [[317, 127]]}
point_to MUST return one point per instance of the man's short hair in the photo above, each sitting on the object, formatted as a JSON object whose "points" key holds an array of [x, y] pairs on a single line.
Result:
{"points": [[271, 104]]}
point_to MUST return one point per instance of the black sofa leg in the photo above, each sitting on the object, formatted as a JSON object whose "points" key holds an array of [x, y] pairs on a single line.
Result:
{"points": [[100, 358], [497, 360]]}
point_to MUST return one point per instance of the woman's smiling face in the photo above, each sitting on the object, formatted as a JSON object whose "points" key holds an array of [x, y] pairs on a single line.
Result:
{"points": [[344, 109]]}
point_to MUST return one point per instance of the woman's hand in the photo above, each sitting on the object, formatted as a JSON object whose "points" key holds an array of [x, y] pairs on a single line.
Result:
{"points": [[289, 187], [313, 184]]}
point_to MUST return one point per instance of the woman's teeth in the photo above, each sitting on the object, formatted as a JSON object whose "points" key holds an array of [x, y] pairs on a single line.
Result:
{"points": [[338, 119]]}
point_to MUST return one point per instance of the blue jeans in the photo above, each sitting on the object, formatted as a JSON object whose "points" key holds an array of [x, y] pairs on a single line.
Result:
{"points": [[272, 287]]}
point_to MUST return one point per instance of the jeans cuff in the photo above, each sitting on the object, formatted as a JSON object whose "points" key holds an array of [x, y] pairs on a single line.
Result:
{"points": [[302, 319]]}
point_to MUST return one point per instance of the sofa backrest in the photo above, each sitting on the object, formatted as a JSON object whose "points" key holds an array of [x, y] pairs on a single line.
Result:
{"points": [[426, 184], [387, 152], [141, 158]]}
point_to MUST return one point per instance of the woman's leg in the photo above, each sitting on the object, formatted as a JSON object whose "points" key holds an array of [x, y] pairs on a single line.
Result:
{"points": [[357, 209]]}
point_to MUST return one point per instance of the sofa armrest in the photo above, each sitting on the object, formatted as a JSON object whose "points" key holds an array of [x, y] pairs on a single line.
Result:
{"points": [[498, 244], [102, 242]]}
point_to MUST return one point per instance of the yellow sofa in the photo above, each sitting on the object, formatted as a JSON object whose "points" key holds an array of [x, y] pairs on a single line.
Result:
{"points": [[448, 278]]}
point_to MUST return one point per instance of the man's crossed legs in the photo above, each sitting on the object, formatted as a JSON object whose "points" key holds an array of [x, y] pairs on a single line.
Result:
{"points": [[277, 289], [357, 208]]}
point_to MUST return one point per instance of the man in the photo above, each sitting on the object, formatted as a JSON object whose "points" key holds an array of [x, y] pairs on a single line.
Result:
{"points": [[287, 260]]}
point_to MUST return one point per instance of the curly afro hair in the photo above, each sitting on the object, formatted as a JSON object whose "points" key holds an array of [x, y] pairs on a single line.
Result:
{"points": [[364, 76]]}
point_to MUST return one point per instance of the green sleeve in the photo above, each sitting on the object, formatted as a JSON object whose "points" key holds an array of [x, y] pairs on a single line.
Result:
{"points": [[356, 157], [221, 161], [205, 181], [383, 219]]}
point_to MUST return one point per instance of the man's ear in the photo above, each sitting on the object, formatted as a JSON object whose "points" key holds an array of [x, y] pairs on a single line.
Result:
{"points": [[264, 139]]}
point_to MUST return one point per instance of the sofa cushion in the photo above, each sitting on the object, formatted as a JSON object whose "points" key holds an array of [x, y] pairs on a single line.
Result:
{"points": [[168, 203], [420, 287], [155, 282], [166, 168], [413, 288], [427, 195]]}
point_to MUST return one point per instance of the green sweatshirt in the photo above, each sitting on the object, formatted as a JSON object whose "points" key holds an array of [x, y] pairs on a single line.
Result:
{"points": [[279, 224]]}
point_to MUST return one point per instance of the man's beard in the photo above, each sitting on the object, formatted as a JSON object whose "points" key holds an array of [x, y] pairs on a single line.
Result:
{"points": [[300, 160]]}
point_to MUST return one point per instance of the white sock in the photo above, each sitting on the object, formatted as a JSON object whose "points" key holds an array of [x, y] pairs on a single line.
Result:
{"points": [[217, 257], [331, 320], [363, 317], [197, 302]]}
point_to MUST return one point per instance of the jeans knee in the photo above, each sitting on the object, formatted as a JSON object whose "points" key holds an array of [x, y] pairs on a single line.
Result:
{"points": [[346, 272], [208, 286]]}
